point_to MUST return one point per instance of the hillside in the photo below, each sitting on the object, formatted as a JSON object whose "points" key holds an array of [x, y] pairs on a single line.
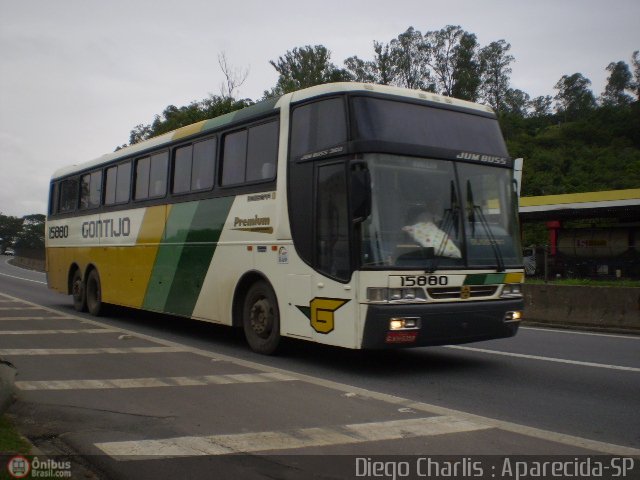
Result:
{"points": [[599, 151]]}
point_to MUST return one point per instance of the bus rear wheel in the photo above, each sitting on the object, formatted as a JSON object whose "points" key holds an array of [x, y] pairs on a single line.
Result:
{"points": [[94, 294], [261, 319], [78, 291]]}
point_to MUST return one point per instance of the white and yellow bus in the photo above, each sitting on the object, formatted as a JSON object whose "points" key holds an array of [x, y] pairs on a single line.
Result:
{"points": [[348, 214]]}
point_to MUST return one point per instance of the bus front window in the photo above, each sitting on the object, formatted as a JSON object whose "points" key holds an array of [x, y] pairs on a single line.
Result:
{"points": [[433, 214], [415, 218]]}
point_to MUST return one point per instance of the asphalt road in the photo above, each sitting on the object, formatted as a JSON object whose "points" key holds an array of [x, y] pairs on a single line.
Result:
{"points": [[577, 389]]}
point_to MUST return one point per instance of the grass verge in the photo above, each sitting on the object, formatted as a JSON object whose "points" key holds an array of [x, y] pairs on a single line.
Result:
{"points": [[10, 440]]}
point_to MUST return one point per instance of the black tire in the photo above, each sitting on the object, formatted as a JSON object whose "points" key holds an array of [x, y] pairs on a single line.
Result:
{"points": [[78, 291], [94, 294], [261, 319]]}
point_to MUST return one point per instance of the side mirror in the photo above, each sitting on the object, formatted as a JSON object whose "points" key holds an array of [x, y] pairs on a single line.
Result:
{"points": [[360, 192]]}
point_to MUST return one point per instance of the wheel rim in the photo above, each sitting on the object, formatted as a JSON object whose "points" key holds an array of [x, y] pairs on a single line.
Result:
{"points": [[262, 318]]}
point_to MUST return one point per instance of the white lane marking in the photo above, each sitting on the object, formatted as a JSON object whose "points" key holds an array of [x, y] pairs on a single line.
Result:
{"points": [[22, 278], [51, 332], [539, 433], [545, 359], [87, 351], [630, 336], [41, 318], [20, 308], [287, 439], [115, 383]]}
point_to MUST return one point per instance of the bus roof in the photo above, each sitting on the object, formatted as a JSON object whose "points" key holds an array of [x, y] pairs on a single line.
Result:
{"points": [[263, 108]]}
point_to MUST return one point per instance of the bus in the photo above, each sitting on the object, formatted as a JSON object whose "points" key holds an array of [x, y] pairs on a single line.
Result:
{"points": [[354, 215]]}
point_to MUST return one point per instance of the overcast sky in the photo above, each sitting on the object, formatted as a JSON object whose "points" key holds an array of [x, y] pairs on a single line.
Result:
{"points": [[77, 75]]}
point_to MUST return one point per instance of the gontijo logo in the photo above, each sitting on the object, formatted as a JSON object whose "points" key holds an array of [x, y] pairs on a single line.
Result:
{"points": [[321, 312]]}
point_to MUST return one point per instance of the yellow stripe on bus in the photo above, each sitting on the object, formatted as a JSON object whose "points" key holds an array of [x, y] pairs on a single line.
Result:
{"points": [[131, 267]]}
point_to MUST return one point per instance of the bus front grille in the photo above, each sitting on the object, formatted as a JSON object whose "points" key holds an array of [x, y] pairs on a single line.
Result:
{"points": [[464, 292]]}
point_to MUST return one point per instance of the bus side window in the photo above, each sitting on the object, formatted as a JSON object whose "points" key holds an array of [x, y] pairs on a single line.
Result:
{"points": [[182, 169], [142, 178], [158, 175], [151, 176], [90, 190], [250, 155], [54, 198], [262, 151], [316, 126], [117, 184], [234, 158], [332, 223], [204, 158], [69, 195]]}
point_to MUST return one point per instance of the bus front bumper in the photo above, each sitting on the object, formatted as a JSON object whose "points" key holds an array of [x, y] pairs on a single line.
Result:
{"points": [[440, 323]]}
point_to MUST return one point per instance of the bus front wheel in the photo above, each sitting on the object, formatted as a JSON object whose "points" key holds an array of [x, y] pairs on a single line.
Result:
{"points": [[94, 293], [261, 319], [78, 291]]}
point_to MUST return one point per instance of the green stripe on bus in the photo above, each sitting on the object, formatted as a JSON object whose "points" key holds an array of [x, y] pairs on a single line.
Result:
{"points": [[169, 253], [200, 245], [484, 279]]}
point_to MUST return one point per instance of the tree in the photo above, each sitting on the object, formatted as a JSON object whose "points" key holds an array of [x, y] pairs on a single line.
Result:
{"points": [[410, 59], [516, 102], [139, 133], [541, 106], [574, 97], [635, 61], [234, 78], [495, 73], [9, 229], [174, 117], [466, 74], [452, 56], [305, 67], [361, 70], [619, 80], [30, 238]]}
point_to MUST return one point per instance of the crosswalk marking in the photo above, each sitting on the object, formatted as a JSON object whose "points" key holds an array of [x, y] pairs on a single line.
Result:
{"points": [[288, 439], [114, 383], [88, 351], [50, 332]]}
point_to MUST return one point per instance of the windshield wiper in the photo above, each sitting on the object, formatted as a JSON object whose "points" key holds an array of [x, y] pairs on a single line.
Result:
{"points": [[473, 209], [449, 220]]}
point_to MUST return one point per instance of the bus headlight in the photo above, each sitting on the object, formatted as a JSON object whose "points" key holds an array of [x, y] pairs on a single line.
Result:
{"points": [[404, 323], [511, 290], [514, 316], [377, 294], [381, 295]]}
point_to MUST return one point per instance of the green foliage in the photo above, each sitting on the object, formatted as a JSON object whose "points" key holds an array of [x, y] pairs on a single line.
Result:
{"points": [[31, 235], [10, 440], [305, 67], [9, 229], [619, 80], [26, 233], [495, 71], [598, 151], [174, 117], [574, 99]]}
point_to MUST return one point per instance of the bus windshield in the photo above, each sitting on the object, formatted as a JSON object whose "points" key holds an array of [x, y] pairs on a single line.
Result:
{"points": [[432, 214]]}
